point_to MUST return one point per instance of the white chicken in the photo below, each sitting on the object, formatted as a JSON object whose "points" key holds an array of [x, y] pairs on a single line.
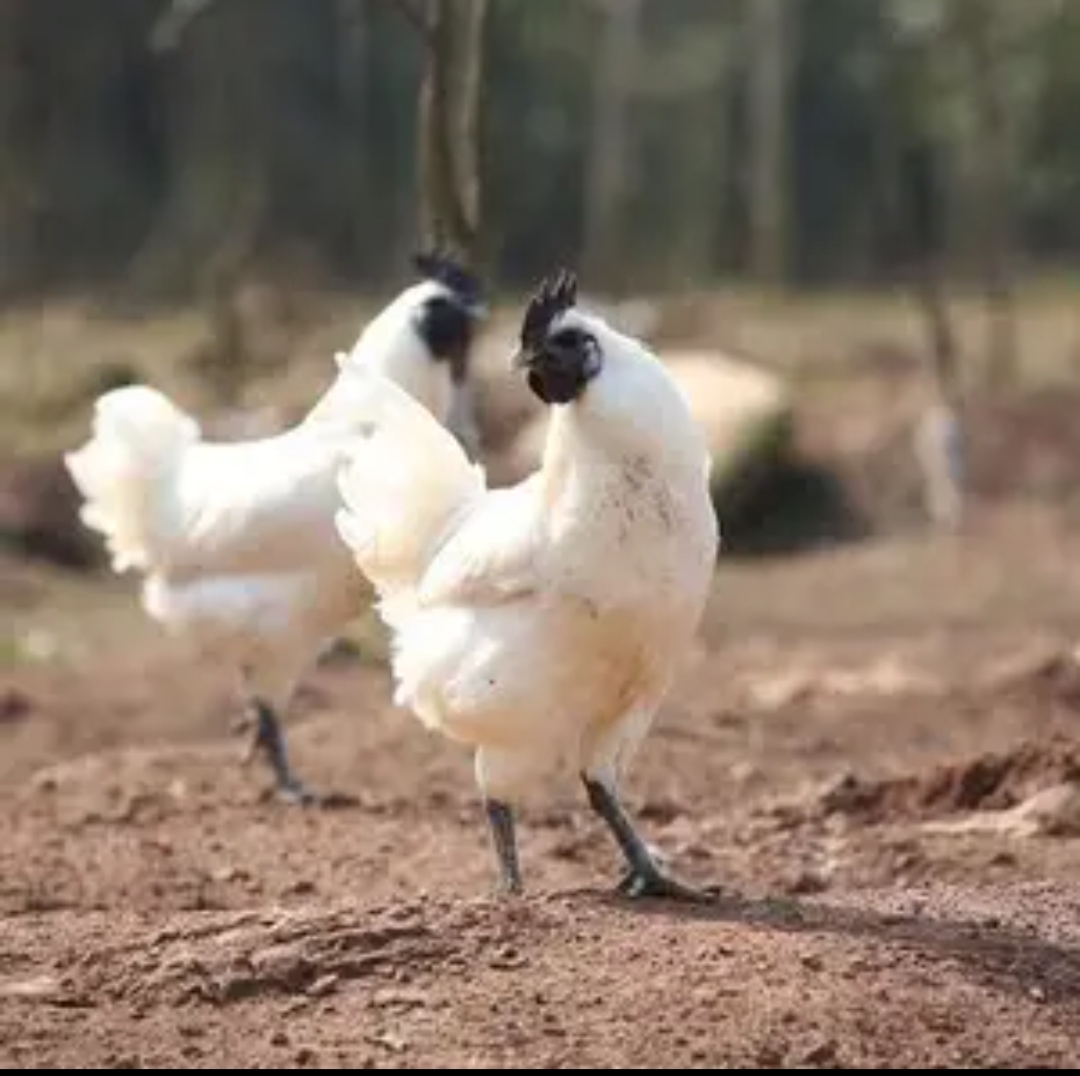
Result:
{"points": [[543, 623], [236, 541]]}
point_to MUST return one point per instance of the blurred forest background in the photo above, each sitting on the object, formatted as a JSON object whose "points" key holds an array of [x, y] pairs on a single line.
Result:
{"points": [[655, 143], [832, 154]]}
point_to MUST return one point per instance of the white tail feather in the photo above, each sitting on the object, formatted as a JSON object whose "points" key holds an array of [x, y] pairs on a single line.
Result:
{"points": [[403, 480], [127, 472]]}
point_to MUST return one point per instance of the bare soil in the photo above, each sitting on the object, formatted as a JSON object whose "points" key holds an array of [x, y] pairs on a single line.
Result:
{"points": [[845, 759]]}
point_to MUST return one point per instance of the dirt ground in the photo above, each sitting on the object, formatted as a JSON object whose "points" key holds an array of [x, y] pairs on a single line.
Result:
{"points": [[850, 759]]}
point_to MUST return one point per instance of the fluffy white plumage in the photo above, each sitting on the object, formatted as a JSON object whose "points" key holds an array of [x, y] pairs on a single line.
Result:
{"points": [[236, 540], [542, 623]]}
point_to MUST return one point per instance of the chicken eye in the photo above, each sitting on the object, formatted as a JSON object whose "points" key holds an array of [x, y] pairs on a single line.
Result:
{"points": [[570, 339]]}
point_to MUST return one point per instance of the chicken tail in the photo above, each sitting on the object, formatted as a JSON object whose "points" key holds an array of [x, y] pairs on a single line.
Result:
{"points": [[127, 472], [403, 480]]}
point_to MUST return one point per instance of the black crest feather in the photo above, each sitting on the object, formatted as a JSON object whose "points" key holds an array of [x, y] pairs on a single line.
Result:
{"points": [[451, 274], [555, 295]]}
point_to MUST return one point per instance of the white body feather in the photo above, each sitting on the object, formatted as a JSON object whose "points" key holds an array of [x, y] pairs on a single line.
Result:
{"points": [[236, 541], [543, 623]]}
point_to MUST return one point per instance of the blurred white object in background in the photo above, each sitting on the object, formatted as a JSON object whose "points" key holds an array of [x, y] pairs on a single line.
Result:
{"points": [[939, 448]]}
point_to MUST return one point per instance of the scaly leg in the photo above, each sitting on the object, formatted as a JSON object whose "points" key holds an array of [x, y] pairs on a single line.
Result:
{"points": [[269, 739], [501, 820], [645, 878]]}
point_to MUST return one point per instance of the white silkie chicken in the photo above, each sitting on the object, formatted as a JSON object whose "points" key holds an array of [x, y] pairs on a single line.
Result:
{"points": [[543, 623], [236, 541]]}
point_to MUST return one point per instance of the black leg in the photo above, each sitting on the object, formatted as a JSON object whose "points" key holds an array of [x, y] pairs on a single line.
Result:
{"points": [[501, 821], [645, 878], [269, 739]]}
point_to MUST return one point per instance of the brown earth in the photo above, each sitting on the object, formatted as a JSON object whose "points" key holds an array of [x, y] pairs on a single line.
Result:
{"points": [[844, 759]]}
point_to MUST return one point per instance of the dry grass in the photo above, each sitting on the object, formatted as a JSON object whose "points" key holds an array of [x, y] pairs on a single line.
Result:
{"points": [[829, 333], [850, 355], [53, 357]]}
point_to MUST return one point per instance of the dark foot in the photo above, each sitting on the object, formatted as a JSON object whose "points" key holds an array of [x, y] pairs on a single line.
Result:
{"points": [[644, 878], [509, 887], [638, 885], [298, 795]]}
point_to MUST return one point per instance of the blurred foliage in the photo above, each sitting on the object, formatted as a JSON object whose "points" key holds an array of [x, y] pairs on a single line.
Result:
{"points": [[286, 130]]}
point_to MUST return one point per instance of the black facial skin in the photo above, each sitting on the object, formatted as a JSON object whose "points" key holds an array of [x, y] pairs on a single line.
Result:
{"points": [[447, 329], [444, 270], [566, 362], [560, 364]]}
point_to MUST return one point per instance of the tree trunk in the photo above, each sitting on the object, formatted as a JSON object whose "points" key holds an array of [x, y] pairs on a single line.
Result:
{"points": [[608, 156], [993, 188], [939, 434], [771, 32], [18, 181], [702, 158], [353, 52], [467, 121], [222, 114], [449, 150]]}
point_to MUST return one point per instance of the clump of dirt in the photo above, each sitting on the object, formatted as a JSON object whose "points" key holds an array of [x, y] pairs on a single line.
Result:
{"points": [[15, 705], [246, 955], [39, 513], [1052, 676], [1026, 442], [989, 782]]}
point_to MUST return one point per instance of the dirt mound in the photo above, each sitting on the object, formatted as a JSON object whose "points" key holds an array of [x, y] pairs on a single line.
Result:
{"points": [[1043, 674], [39, 513], [1028, 444], [555, 982], [288, 953], [158, 908], [991, 782], [15, 705]]}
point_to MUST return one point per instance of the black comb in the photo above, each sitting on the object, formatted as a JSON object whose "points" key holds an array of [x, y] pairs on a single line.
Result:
{"points": [[555, 295], [451, 274]]}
